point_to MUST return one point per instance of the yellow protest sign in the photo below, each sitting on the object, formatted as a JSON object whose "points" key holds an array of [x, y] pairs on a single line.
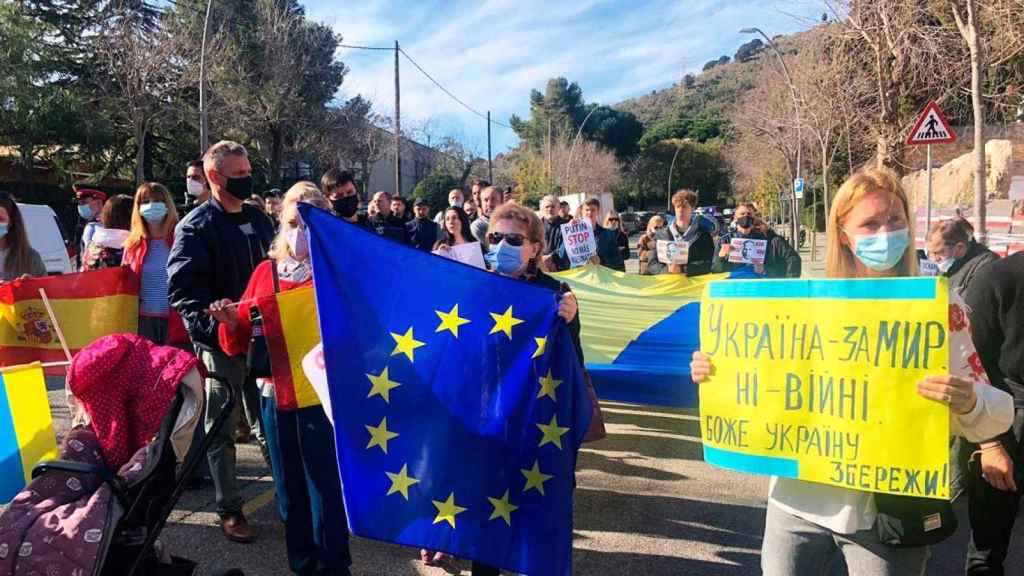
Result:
{"points": [[817, 380]]}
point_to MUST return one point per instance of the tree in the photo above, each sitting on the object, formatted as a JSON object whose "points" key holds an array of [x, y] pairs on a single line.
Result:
{"points": [[435, 187], [969, 29], [749, 51], [615, 130], [556, 113], [144, 70]]}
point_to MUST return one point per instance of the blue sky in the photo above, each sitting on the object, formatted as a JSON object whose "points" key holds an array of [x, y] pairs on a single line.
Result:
{"points": [[491, 53]]}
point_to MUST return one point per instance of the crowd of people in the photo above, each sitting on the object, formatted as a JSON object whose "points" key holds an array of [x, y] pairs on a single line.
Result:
{"points": [[200, 274]]}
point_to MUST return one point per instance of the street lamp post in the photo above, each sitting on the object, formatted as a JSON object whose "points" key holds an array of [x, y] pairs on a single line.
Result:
{"points": [[204, 136], [670, 168], [795, 225]]}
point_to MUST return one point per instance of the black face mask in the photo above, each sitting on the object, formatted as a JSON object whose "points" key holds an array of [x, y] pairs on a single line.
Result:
{"points": [[745, 222], [240, 188], [346, 206]]}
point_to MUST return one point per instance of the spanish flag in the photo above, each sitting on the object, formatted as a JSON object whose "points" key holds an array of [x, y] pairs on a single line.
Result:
{"points": [[292, 328], [26, 427], [87, 305]]}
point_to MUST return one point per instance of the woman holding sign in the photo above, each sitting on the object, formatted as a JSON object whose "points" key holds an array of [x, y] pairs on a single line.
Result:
{"points": [[809, 524]]}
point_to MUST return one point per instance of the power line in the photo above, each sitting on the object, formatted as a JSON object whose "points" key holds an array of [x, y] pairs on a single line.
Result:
{"points": [[449, 93], [365, 47]]}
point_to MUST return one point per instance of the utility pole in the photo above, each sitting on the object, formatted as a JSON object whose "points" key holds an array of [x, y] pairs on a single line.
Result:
{"points": [[204, 136], [398, 128], [490, 172]]}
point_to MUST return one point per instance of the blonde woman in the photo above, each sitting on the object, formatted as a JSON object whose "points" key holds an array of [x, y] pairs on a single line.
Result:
{"points": [[870, 235], [146, 251], [646, 244], [300, 440], [614, 223]]}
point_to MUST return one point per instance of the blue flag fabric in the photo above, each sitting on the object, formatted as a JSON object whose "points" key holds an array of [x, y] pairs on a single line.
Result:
{"points": [[458, 400]]}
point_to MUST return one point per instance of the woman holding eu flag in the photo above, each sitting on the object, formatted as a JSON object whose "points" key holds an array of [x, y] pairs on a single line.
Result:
{"points": [[515, 239], [808, 524], [300, 439]]}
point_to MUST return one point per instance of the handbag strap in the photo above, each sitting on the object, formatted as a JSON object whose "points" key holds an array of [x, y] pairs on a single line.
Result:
{"points": [[277, 278]]}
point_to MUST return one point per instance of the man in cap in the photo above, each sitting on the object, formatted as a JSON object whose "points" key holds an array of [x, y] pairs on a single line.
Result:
{"points": [[90, 204], [422, 230]]}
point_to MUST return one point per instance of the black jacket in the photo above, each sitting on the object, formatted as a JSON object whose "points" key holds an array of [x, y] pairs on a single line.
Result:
{"points": [[780, 259], [210, 260], [965, 269], [422, 233], [389, 227], [996, 301], [608, 248], [702, 250], [553, 243]]}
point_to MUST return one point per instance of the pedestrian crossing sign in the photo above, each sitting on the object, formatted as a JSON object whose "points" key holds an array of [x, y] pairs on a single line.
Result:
{"points": [[931, 127]]}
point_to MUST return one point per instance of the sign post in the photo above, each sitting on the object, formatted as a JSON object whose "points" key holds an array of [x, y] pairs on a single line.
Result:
{"points": [[930, 128]]}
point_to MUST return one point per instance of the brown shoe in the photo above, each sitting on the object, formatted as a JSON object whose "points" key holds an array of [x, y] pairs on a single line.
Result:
{"points": [[236, 528]]}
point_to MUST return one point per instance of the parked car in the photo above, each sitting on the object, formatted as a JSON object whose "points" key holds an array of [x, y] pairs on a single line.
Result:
{"points": [[45, 236], [630, 222]]}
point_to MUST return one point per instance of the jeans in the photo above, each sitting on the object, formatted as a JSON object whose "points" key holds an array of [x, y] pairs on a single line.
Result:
{"points": [[221, 455], [305, 470], [153, 328], [795, 547], [992, 511]]}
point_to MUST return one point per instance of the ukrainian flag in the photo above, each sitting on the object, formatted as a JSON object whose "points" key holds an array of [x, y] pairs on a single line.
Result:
{"points": [[26, 427], [639, 332]]}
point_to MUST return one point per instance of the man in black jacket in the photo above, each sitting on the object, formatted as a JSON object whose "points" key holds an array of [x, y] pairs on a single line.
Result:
{"points": [[554, 258], [951, 245], [384, 222], [422, 230], [996, 301], [688, 227], [216, 248]]}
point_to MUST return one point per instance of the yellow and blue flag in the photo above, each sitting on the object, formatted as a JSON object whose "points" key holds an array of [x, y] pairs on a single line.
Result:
{"points": [[639, 332], [26, 427], [458, 401]]}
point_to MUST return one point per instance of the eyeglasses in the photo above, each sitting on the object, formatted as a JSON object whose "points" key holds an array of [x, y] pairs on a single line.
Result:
{"points": [[512, 239]]}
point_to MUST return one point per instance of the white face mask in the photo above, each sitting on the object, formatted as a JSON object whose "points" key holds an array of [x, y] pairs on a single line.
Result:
{"points": [[298, 243], [194, 188]]}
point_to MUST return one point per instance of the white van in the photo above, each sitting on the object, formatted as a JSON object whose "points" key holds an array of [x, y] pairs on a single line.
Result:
{"points": [[44, 235]]}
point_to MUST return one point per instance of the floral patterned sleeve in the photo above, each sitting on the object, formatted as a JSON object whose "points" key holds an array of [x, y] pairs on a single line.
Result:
{"points": [[993, 413]]}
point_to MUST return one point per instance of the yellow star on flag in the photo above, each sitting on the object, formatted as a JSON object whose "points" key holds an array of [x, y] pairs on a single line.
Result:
{"points": [[381, 385], [502, 508], [380, 435], [447, 510], [542, 345], [450, 321], [548, 385], [504, 322], [406, 344], [552, 432], [401, 482], [535, 478]]}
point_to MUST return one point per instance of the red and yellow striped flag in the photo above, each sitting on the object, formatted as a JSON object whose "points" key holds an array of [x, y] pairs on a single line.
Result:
{"points": [[87, 306], [292, 328]]}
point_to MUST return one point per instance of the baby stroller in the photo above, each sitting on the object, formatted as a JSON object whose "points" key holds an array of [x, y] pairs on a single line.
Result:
{"points": [[81, 518]]}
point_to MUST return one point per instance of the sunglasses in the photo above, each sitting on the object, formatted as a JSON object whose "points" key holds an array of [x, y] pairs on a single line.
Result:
{"points": [[512, 239], [613, 219]]}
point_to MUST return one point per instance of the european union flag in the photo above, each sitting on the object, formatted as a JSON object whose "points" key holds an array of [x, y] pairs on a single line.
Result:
{"points": [[458, 401]]}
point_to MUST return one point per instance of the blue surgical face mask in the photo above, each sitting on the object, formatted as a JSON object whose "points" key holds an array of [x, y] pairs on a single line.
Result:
{"points": [[85, 211], [153, 211], [504, 258], [3, 229], [882, 250], [946, 264]]}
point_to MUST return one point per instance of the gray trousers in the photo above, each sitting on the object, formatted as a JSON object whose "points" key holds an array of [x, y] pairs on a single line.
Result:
{"points": [[221, 455], [795, 547]]}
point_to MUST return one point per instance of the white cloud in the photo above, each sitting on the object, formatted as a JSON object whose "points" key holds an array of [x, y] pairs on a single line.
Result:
{"points": [[492, 53]]}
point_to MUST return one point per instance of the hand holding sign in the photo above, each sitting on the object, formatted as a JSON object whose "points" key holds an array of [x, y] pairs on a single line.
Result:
{"points": [[673, 252], [579, 241], [747, 251]]}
